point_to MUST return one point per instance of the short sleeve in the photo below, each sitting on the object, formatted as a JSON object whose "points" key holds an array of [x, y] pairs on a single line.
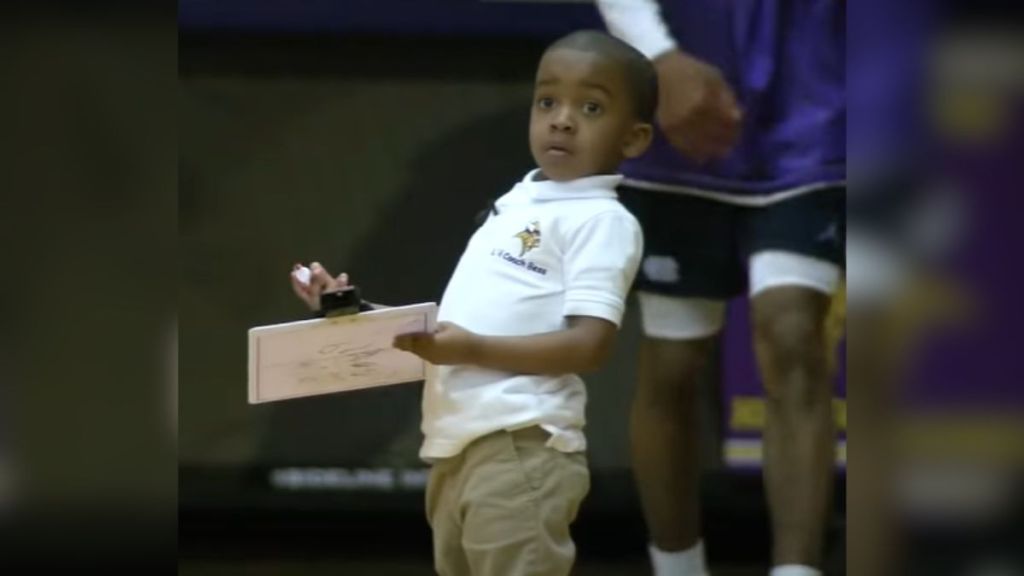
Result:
{"points": [[601, 261]]}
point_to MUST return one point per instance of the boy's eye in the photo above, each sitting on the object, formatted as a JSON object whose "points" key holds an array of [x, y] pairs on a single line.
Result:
{"points": [[591, 108], [545, 103]]}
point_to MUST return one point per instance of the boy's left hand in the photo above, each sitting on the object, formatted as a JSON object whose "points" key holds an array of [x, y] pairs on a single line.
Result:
{"points": [[449, 344]]}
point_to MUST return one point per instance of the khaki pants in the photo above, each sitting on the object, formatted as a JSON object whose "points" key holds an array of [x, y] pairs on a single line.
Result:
{"points": [[504, 505]]}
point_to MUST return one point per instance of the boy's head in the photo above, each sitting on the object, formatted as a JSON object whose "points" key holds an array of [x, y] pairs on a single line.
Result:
{"points": [[593, 106]]}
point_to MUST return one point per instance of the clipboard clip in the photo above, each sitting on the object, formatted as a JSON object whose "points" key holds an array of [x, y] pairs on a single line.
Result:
{"points": [[343, 302]]}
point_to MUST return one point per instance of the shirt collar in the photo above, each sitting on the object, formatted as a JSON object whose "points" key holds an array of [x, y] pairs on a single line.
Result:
{"points": [[599, 186]]}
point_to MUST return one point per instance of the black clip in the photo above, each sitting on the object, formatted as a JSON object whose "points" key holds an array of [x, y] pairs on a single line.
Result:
{"points": [[343, 302]]}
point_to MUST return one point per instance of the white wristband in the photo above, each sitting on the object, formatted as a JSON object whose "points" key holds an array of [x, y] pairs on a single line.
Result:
{"points": [[639, 23]]}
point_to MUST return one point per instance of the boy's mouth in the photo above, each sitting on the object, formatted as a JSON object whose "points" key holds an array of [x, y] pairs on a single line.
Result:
{"points": [[556, 150]]}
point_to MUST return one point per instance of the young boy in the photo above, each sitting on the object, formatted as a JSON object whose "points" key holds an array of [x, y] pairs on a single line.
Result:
{"points": [[535, 300]]}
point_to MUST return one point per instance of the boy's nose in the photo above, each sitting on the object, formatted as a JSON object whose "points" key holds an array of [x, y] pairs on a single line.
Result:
{"points": [[562, 121]]}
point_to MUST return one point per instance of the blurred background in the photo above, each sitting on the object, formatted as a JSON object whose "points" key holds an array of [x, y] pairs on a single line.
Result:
{"points": [[367, 135], [935, 143]]}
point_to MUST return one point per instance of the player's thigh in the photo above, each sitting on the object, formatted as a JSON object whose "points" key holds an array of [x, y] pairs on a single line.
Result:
{"points": [[796, 254], [677, 346], [671, 322], [689, 253], [796, 243], [690, 266]]}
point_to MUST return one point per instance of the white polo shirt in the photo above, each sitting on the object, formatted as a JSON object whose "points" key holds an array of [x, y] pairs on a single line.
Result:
{"points": [[554, 249]]}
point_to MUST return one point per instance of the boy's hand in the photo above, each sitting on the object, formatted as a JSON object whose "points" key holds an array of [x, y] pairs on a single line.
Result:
{"points": [[320, 281], [449, 344]]}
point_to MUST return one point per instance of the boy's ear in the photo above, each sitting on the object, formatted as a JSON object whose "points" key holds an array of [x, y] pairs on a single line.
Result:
{"points": [[637, 139]]}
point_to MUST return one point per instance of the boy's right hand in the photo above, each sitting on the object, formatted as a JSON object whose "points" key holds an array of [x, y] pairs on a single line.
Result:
{"points": [[320, 281]]}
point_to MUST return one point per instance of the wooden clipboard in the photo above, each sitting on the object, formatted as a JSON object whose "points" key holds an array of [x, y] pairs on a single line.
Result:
{"points": [[328, 355]]}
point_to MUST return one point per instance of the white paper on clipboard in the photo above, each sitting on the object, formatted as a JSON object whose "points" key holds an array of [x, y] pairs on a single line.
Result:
{"points": [[327, 355]]}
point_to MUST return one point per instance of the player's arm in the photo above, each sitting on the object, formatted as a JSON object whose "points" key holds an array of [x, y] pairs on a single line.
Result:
{"points": [[697, 110], [583, 346]]}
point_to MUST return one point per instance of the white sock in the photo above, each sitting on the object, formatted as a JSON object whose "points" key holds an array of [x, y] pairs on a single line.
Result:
{"points": [[689, 562], [794, 570]]}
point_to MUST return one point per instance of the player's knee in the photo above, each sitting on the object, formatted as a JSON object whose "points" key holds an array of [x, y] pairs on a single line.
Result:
{"points": [[794, 344], [666, 391], [671, 373], [791, 337], [805, 397]]}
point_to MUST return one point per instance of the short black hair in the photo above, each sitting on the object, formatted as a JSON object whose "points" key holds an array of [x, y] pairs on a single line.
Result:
{"points": [[641, 77]]}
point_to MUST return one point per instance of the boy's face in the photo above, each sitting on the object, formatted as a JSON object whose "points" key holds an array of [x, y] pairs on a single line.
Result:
{"points": [[582, 122]]}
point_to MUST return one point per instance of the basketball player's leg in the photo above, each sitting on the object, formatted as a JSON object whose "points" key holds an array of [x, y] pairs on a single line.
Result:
{"points": [[799, 434], [664, 422], [795, 267], [688, 272]]}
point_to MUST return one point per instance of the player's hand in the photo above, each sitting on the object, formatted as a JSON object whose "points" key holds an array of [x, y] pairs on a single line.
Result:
{"points": [[449, 344], [320, 281], [697, 110]]}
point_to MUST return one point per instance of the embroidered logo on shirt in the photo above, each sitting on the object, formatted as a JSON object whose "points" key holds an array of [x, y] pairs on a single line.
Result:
{"points": [[521, 262], [529, 237]]}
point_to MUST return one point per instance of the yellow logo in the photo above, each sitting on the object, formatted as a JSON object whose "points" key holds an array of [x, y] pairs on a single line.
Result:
{"points": [[530, 237]]}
